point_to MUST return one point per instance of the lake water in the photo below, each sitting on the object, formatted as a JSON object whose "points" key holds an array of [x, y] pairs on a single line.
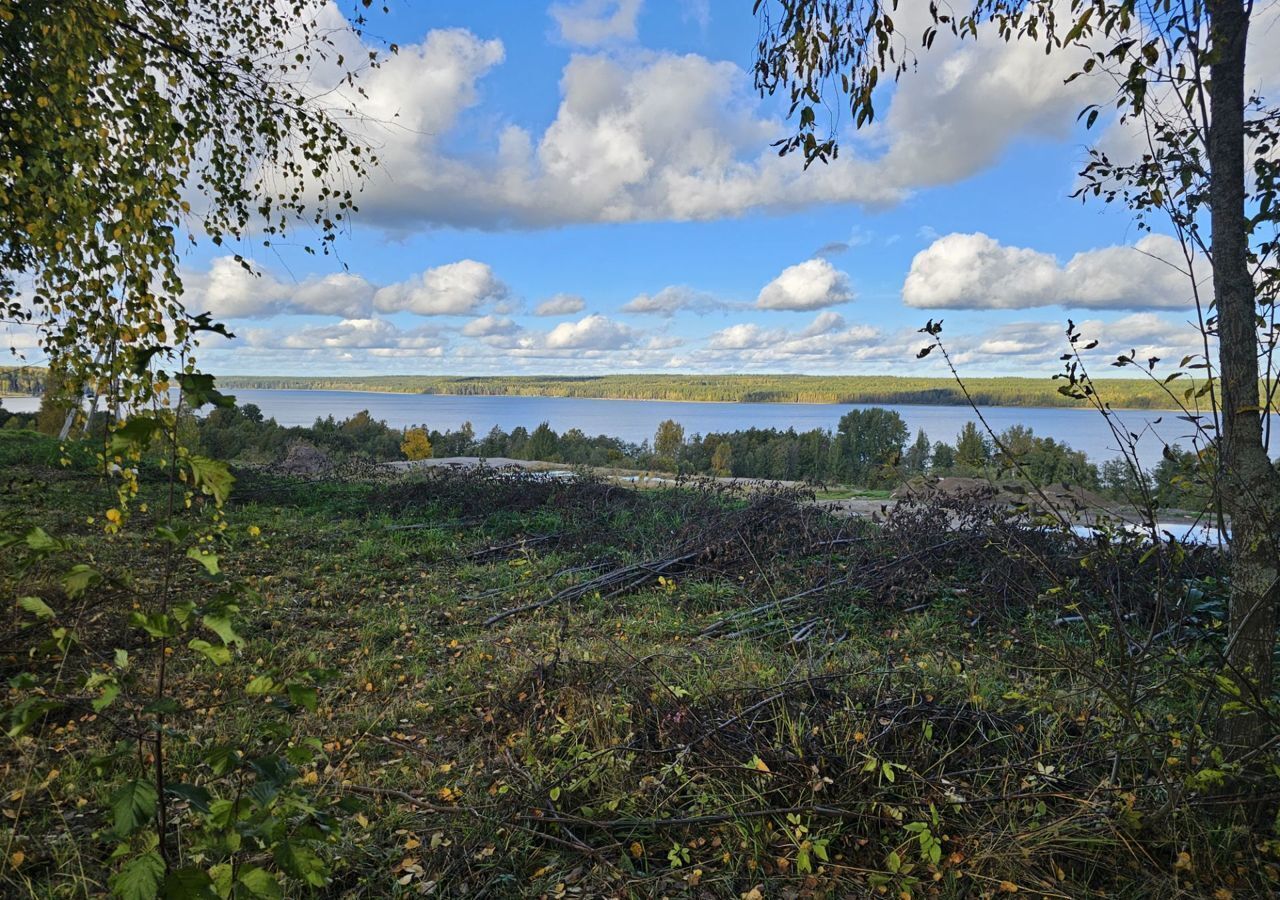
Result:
{"points": [[636, 420]]}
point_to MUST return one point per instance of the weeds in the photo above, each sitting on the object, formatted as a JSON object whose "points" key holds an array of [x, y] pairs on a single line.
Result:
{"points": [[805, 706]]}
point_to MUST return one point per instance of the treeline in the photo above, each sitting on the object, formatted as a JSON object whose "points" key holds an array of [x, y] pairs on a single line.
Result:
{"points": [[243, 434], [885, 390], [869, 448], [24, 381], [863, 389]]}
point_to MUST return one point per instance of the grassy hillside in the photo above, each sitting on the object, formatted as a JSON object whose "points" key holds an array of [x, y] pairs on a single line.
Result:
{"points": [[534, 688]]}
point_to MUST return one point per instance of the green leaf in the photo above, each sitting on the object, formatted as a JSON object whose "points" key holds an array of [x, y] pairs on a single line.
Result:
{"points": [[136, 434], [189, 883], [157, 624], [222, 759], [199, 798], [165, 533], [221, 626], [205, 558], [221, 875], [218, 655], [162, 706], [303, 695], [140, 878], [79, 579], [110, 689], [181, 612], [301, 862], [132, 806], [142, 358], [197, 387], [211, 476], [28, 712], [36, 607], [260, 883], [39, 540], [259, 685]]}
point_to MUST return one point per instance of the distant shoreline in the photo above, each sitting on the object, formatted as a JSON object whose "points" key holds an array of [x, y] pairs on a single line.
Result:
{"points": [[834, 390], [668, 400], [1009, 392], [887, 402]]}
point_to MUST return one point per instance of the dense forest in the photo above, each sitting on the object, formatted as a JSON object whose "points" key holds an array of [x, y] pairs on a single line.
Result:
{"points": [[21, 381], [887, 390], [870, 448], [874, 389]]}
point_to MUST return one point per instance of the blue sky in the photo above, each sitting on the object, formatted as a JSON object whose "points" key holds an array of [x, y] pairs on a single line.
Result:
{"points": [[606, 163]]}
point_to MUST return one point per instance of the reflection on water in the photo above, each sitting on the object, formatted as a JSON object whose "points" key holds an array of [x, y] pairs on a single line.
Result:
{"points": [[1185, 532]]}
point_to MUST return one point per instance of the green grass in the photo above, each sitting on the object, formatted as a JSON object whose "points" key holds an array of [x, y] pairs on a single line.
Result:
{"points": [[849, 493], [20, 447], [606, 748]]}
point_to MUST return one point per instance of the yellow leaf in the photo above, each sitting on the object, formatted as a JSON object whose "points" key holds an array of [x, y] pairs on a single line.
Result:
{"points": [[411, 843], [1183, 863], [637, 849], [759, 764], [1008, 887], [16, 858]]}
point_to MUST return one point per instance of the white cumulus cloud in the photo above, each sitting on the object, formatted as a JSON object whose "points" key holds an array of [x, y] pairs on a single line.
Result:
{"points": [[652, 136], [374, 335], [812, 284], [826, 339], [655, 135], [454, 289], [561, 305], [591, 22], [957, 111], [1018, 345], [595, 332], [229, 291], [975, 271], [671, 300], [486, 326]]}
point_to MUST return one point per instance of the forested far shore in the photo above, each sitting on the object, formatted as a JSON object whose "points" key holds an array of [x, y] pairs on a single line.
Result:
{"points": [[836, 389], [886, 390]]}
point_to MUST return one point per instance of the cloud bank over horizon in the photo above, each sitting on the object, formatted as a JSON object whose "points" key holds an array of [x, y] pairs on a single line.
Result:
{"points": [[590, 185]]}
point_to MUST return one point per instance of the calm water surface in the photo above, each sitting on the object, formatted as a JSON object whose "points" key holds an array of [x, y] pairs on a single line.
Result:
{"points": [[637, 420]]}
